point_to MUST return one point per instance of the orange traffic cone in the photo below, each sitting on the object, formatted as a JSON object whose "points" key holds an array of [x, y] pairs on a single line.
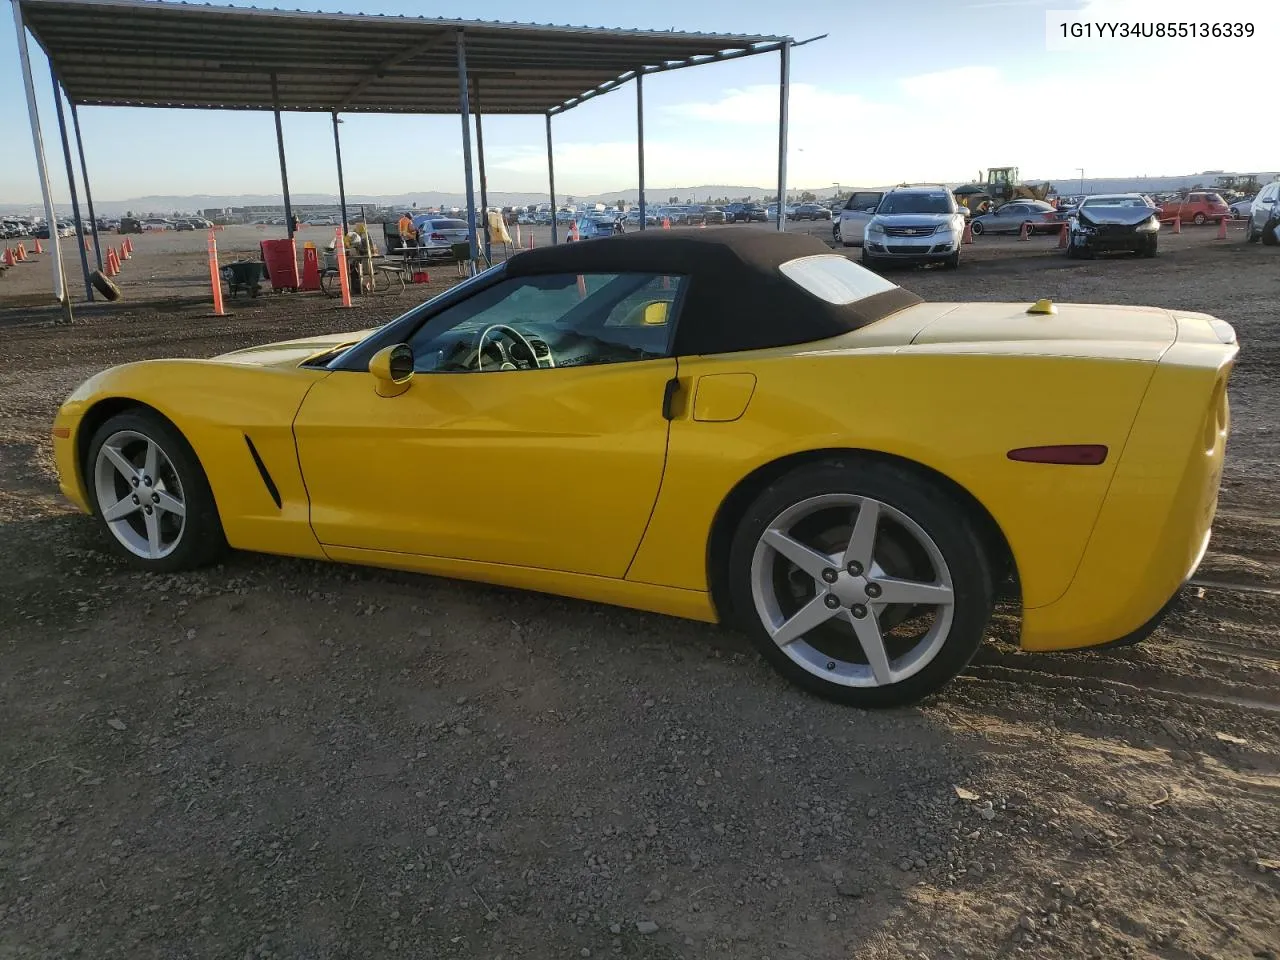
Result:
{"points": [[39, 248], [128, 245], [702, 225], [666, 223], [9, 258], [1222, 229], [84, 241], [967, 236], [1177, 224], [120, 255], [573, 232], [21, 251], [112, 267], [124, 252], [1062, 236], [1025, 232]]}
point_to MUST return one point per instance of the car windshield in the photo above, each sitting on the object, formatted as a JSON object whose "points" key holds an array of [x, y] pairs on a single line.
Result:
{"points": [[1115, 202], [914, 203]]}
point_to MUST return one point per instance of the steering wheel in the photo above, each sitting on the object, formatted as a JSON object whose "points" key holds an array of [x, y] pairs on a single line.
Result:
{"points": [[514, 334]]}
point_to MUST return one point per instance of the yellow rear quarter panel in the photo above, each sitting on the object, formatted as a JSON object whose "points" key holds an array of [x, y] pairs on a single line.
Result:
{"points": [[214, 405], [958, 415], [1154, 526]]}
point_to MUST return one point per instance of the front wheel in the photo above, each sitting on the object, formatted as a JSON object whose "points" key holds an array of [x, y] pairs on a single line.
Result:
{"points": [[976, 228], [1198, 219], [861, 581], [150, 494], [866, 259], [1150, 249]]}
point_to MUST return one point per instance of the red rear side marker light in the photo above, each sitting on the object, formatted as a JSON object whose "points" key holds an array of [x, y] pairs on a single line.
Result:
{"points": [[1082, 454]]}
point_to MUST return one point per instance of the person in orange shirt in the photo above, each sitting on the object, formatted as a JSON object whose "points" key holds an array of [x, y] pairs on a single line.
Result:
{"points": [[408, 235]]}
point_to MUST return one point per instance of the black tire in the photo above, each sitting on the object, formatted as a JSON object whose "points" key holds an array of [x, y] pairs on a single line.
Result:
{"points": [[976, 228], [1249, 235], [1151, 248], [952, 262], [1072, 250], [1269, 233], [105, 285], [1198, 219], [944, 520], [866, 259], [202, 540]]}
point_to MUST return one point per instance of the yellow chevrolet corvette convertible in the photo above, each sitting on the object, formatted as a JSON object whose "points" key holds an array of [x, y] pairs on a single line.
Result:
{"points": [[734, 426]]}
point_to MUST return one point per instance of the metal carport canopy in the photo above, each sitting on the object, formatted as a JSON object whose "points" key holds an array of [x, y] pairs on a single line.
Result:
{"points": [[144, 53]]}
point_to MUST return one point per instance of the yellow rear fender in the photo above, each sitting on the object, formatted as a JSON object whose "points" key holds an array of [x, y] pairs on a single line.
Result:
{"points": [[238, 420], [956, 416]]}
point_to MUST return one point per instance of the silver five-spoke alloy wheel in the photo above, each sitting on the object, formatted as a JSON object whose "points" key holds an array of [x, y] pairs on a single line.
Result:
{"points": [[140, 495], [852, 590]]}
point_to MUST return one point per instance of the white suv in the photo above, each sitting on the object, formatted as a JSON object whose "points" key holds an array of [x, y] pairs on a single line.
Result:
{"points": [[914, 225], [1264, 215]]}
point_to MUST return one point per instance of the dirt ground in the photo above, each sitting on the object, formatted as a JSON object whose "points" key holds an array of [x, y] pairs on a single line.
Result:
{"points": [[276, 758]]}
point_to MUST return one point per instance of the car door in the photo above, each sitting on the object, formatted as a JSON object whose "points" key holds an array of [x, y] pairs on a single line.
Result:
{"points": [[857, 214], [1008, 219], [1263, 206], [554, 464]]}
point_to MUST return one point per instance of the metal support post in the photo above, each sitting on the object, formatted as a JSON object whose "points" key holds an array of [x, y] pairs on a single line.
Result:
{"points": [[42, 170], [484, 180], [551, 178], [284, 172], [342, 190], [71, 182], [644, 220], [465, 109], [784, 91], [84, 176]]}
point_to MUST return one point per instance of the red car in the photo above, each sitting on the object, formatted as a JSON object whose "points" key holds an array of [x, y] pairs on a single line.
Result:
{"points": [[1197, 208]]}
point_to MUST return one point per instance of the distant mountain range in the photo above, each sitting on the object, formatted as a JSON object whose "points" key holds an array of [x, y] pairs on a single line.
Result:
{"points": [[435, 198]]}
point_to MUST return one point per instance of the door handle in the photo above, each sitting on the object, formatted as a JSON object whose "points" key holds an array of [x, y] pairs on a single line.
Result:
{"points": [[669, 392]]}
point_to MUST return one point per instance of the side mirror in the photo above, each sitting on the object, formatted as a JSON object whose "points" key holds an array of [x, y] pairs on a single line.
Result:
{"points": [[392, 369], [655, 314]]}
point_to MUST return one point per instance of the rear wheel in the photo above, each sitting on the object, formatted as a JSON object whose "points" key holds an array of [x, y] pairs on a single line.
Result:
{"points": [[1198, 219], [953, 261], [977, 229], [861, 581], [150, 493], [1150, 249]]}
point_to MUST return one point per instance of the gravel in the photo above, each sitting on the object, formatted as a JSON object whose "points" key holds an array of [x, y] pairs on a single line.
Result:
{"points": [[283, 758]]}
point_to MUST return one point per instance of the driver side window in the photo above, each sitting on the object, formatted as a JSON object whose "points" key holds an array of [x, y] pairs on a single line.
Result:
{"points": [[554, 320]]}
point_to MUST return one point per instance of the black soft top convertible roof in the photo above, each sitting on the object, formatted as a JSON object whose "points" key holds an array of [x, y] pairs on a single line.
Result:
{"points": [[737, 298]]}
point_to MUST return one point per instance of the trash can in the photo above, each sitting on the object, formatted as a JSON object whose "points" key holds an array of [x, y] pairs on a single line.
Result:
{"points": [[281, 259]]}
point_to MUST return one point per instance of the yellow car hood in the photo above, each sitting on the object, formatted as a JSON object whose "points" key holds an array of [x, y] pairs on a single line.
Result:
{"points": [[290, 353]]}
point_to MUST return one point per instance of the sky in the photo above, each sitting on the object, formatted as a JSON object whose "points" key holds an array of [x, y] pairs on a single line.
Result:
{"points": [[915, 90]]}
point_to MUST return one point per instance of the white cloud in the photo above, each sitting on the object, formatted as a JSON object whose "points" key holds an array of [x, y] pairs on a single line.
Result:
{"points": [[954, 84], [949, 124]]}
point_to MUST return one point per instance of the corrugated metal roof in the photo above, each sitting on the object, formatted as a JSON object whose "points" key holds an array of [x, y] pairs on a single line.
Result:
{"points": [[151, 53]]}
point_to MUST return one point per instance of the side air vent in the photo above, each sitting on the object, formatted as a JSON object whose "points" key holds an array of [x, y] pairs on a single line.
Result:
{"points": [[262, 471]]}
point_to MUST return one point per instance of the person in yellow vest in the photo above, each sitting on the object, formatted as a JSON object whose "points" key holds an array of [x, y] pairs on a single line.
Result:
{"points": [[408, 235]]}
